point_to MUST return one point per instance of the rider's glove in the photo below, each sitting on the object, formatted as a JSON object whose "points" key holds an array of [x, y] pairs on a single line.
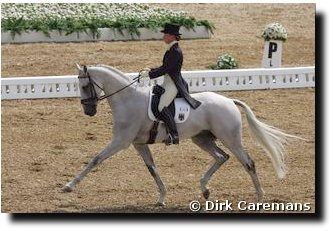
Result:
{"points": [[145, 72]]}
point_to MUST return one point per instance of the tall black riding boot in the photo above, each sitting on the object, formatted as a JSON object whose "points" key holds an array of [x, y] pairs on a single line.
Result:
{"points": [[170, 124]]}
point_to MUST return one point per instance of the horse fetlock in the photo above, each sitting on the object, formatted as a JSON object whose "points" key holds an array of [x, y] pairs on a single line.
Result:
{"points": [[70, 185], [204, 188], [160, 203], [260, 196], [206, 194], [161, 199]]}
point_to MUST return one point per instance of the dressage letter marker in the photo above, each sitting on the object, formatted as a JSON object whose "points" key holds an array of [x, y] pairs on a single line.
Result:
{"points": [[272, 48], [272, 54]]}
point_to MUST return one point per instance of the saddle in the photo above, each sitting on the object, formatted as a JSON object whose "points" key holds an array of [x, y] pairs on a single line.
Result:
{"points": [[179, 108]]}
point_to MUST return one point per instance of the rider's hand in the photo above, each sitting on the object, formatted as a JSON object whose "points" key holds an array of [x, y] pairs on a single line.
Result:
{"points": [[145, 72]]}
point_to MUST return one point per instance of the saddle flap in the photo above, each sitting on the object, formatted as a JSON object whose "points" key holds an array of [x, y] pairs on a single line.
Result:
{"points": [[182, 109]]}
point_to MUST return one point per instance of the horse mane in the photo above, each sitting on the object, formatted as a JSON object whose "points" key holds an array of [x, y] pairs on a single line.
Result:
{"points": [[113, 69]]}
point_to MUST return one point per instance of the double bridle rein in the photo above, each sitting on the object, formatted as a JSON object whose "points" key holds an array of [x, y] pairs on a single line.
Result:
{"points": [[93, 95]]}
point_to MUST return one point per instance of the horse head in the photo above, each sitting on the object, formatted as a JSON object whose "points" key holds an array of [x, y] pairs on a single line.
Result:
{"points": [[88, 92]]}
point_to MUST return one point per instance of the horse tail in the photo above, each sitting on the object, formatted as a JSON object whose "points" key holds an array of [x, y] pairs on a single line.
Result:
{"points": [[272, 139]]}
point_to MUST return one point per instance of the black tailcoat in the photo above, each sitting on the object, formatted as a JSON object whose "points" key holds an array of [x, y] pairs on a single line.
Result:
{"points": [[172, 64]]}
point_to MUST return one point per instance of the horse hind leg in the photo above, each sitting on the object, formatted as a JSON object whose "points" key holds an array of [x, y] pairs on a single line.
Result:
{"points": [[206, 141], [249, 165], [232, 139]]}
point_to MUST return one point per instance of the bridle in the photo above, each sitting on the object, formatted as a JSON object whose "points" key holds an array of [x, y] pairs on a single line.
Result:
{"points": [[93, 95]]}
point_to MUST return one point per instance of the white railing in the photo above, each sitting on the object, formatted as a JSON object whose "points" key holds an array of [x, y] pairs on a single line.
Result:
{"points": [[220, 80]]}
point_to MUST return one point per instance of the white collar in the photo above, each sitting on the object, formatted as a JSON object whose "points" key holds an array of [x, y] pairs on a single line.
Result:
{"points": [[171, 44]]}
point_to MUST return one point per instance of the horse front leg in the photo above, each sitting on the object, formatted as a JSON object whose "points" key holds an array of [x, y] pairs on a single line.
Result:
{"points": [[114, 147], [145, 153]]}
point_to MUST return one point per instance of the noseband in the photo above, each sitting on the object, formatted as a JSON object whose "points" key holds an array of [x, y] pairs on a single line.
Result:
{"points": [[93, 95]]}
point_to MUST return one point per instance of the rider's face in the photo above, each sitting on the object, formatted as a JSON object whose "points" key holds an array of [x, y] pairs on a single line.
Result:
{"points": [[168, 38]]}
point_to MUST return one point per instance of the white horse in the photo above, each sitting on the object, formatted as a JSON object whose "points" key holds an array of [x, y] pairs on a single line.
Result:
{"points": [[217, 118]]}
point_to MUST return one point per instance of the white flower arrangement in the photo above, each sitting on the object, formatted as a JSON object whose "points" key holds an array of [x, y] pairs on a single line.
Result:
{"points": [[275, 31], [226, 61], [75, 17]]}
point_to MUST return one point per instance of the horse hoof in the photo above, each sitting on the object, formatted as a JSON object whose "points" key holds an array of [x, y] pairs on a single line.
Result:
{"points": [[160, 204], [206, 194], [66, 188]]}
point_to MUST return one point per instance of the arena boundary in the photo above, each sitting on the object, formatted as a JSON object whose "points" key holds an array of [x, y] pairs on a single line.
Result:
{"points": [[43, 87]]}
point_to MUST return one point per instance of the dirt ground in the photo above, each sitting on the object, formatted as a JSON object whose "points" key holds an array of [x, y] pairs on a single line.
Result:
{"points": [[45, 143]]}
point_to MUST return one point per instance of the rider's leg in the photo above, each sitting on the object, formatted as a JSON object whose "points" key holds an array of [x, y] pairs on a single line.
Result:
{"points": [[166, 99], [170, 124]]}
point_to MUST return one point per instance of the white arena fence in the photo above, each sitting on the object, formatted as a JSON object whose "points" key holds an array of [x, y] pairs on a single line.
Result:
{"points": [[212, 80]]}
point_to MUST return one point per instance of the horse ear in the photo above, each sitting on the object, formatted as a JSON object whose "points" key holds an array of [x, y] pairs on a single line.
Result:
{"points": [[78, 67], [85, 69]]}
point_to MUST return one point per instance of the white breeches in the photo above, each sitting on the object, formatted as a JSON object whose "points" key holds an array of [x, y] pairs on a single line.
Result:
{"points": [[169, 94]]}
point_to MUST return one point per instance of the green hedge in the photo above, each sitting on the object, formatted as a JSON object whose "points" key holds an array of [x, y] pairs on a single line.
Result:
{"points": [[84, 17]]}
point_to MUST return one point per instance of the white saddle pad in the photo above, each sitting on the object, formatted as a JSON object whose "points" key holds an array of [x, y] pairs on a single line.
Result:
{"points": [[182, 110]]}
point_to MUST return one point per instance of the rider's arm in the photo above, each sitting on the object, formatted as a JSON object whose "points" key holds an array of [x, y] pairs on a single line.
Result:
{"points": [[172, 62]]}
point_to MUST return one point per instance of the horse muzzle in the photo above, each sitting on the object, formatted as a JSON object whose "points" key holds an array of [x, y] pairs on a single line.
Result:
{"points": [[89, 107], [90, 111]]}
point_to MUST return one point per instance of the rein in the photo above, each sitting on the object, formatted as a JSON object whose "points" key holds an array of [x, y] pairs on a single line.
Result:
{"points": [[93, 91], [136, 79]]}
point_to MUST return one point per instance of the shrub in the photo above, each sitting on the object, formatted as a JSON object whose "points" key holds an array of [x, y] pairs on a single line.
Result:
{"points": [[225, 61], [275, 31]]}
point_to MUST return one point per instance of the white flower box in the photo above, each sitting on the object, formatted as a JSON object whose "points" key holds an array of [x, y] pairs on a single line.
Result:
{"points": [[106, 34]]}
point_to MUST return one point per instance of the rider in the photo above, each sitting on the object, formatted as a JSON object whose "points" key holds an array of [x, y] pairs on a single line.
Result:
{"points": [[173, 84]]}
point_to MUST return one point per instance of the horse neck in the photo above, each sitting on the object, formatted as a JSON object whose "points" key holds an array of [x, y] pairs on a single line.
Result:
{"points": [[112, 81]]}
